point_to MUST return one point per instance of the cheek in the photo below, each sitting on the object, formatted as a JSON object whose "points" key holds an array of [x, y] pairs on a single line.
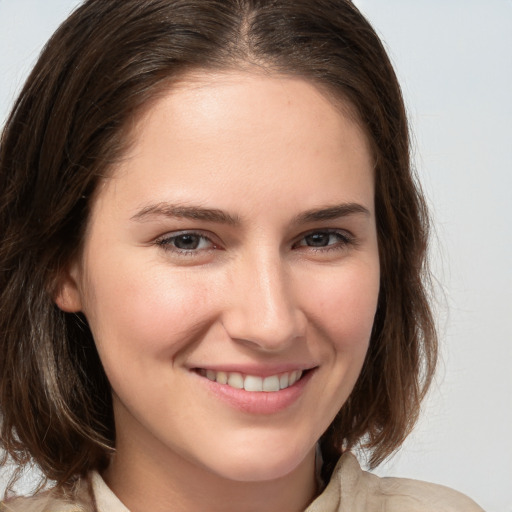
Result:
{"points": [[146, 312], [343, 307]]}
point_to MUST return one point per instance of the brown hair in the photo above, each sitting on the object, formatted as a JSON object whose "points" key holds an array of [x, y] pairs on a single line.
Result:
{"points": [[68, 127]]}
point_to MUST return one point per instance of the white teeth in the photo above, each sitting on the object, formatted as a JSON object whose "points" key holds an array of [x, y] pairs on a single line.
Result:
{"points": [[294, 377], [271, 383], [254, 383], [235, 380]]}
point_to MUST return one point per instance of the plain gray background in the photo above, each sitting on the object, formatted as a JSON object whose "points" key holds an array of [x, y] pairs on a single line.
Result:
{"points": [[454, 60]]}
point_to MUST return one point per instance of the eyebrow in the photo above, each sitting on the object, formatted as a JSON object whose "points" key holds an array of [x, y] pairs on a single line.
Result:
{"points": [[221, 217], [186, 212], [331, 213]]}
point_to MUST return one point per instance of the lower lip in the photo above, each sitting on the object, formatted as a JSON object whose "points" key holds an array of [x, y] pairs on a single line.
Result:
{"points": [[261, 402]]}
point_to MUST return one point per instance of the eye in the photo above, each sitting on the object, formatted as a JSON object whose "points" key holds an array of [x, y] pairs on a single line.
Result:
{"points": [[325, 239], [185, 242]]}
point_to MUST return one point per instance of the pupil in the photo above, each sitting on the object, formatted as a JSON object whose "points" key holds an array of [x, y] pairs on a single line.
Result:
{"points": [[318, 239], [187, 242]]}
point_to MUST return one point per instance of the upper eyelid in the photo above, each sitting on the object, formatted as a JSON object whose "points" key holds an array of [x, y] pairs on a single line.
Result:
{"points": [[194, 232], [348, 240], [175, 234], [344, 232], [215, 239]]}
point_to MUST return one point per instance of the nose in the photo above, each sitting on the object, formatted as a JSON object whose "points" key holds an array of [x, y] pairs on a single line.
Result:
{"points": [[264, 307]]}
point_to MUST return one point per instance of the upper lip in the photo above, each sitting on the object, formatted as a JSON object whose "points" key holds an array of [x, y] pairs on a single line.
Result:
{"points": [[255, 369]]}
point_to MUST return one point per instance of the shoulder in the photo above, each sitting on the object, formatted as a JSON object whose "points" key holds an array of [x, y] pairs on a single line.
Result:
{"points": [[356, 490], [422, 496], [52, 501]]}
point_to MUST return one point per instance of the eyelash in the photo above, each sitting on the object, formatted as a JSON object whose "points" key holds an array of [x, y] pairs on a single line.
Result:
{"points": [[344, 239], [166, 242]]}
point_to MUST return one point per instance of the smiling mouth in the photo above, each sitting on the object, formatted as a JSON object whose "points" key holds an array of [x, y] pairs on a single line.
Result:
{"points": [[254, 383]]}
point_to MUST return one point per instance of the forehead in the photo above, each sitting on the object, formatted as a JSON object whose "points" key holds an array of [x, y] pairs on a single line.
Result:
{"points": [[245, 131], [255, 93]]}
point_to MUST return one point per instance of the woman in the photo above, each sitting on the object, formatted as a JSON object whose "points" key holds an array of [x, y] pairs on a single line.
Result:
{"points": [[213, 280]]}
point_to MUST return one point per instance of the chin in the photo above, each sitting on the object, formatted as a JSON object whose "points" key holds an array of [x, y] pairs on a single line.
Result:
{"points": [[262, 466]]}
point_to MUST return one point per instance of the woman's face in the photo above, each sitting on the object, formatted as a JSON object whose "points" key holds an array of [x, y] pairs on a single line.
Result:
{"points": [[234, 247]]}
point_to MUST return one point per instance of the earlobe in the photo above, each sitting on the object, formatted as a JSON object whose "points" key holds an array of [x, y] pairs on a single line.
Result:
{"points": [[67, 294]]}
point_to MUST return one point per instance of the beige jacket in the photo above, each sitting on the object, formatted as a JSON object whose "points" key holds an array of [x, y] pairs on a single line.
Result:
{"points": [[350, 490]]}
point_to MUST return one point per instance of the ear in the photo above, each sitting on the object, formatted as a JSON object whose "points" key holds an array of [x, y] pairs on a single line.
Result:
{"points": [[67, 293]]}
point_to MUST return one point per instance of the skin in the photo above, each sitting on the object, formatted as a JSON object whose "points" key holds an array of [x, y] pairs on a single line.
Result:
{"points": [[264, 285]]}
